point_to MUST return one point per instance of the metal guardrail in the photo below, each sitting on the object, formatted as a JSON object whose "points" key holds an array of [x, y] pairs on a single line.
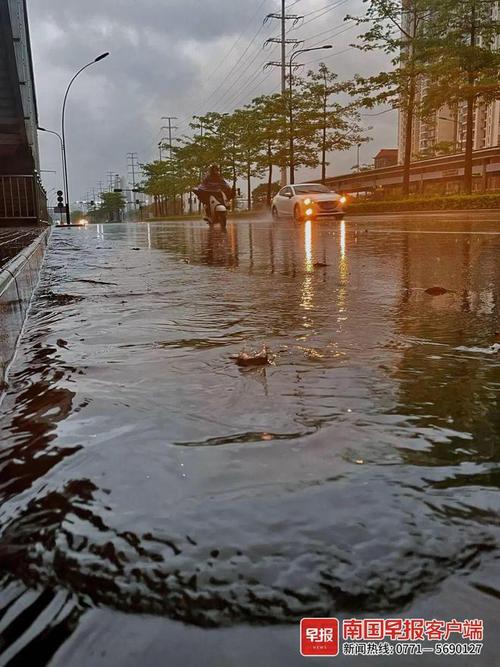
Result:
{"points": [[17, 198], [22, 198]]}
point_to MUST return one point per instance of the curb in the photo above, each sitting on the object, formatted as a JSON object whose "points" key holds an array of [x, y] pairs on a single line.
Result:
{"points": [[435, 211], [18, 280]]}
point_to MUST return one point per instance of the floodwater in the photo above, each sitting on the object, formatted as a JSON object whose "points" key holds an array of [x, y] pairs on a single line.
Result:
{"points": [[161, 505]]}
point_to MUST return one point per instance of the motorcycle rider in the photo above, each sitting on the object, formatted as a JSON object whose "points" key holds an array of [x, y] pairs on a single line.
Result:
{"points": [[213, 182]]}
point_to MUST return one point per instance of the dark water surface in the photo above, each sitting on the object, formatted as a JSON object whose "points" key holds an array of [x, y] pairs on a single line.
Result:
{"points": [[146, 480]]}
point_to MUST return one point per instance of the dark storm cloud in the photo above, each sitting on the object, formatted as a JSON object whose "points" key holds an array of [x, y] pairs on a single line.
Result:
{"points": [[177, 18], [163, 54]]}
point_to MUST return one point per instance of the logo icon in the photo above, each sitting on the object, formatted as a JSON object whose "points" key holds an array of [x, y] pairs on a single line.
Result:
{"points": [[319, 637]]}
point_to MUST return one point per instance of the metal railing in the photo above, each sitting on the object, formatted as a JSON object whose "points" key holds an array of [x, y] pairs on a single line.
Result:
{"points": [[22, 199]]}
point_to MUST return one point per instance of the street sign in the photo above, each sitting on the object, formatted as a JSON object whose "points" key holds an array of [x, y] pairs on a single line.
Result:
{"points": [[59, 209]]}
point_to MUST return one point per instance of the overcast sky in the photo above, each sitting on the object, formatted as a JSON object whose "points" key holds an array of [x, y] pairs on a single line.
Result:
{"points": [[171, 58]]}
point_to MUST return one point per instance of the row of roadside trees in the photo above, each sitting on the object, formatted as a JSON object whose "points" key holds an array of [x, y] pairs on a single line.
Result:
{"points": [[255, 141], [442, 54]]}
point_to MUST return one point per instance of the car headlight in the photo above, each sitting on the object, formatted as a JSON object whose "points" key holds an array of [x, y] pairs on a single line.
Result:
{"points": [[343, 200], [309, 211], [307, 201]]}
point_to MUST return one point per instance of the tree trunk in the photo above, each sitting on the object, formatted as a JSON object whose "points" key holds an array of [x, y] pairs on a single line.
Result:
{"points": [[291, 141], [408, 140], [469, 147], [249, 187], [469, 136], [323, 140], [270, 174], [410, 110], [323, 161], [235, 180]]}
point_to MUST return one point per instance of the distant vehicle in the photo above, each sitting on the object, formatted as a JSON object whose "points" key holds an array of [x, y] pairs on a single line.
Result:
{"points": [[306, 201]]}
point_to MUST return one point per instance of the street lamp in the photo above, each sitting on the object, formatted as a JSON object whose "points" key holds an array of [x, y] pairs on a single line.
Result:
{"points": [[96, 60], [43, 129], [294, 54]]}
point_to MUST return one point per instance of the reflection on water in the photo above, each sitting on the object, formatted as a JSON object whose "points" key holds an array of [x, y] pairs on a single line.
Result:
{"points": [[307, 289], [143, 472]]}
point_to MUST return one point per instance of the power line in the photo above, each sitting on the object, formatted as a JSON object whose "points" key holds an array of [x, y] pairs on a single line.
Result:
{"points": [[249, 62], [235, 65], [240, 93], [331, 33], [324, 11]]}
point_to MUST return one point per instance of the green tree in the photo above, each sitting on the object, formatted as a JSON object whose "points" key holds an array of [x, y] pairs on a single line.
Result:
{"points": [[397, 28], [300, 130], [336, 126], [157, 184], [112, 205], [246, 122], [270, 133], [464, 64]]}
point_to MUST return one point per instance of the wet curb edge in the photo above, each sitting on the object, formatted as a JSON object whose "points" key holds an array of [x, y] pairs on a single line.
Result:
{"points": [[18, 281]]}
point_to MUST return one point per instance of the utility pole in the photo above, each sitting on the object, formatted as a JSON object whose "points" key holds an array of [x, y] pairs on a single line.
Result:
{"points": [[283, 17], [169, 127], [131, 166]]}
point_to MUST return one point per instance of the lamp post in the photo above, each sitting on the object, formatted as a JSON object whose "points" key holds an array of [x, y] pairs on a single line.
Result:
{"points": [[43, 129], [96, 60], [292, 151]]}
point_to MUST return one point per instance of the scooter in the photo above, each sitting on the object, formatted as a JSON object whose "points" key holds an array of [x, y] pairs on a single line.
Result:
{"points": [[215, 204]]}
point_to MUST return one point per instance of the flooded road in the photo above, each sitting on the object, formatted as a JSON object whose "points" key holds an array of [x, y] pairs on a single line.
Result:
{"points": [[158, 500]]}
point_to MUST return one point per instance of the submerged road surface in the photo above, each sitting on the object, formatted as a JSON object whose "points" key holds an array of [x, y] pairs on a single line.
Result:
{"points": [[162, 506]]}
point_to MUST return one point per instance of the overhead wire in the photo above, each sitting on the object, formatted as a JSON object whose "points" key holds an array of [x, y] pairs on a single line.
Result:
{"points": [[324, 11], [248, 63], [331, 34], [228, 53]]}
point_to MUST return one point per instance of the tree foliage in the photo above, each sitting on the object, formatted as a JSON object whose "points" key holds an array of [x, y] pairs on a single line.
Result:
{"points": [[443, 55], [464, 64], [398, 29]]}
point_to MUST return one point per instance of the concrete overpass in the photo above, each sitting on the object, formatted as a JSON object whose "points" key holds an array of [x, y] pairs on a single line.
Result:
{"points": [[22, 198]]}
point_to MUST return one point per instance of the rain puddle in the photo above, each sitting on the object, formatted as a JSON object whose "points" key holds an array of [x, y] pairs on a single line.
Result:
{"points": [[145, 472]]}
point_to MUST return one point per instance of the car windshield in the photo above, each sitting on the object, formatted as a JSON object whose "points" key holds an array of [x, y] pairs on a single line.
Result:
{"points": [[308, 189]]}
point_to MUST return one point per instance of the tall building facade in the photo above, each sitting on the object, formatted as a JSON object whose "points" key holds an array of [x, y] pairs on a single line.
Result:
{"points": [[447, 127]]}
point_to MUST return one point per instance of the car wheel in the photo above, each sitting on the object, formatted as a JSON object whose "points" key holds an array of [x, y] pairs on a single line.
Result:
{"points": [[297, 216], [274, 213]]}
